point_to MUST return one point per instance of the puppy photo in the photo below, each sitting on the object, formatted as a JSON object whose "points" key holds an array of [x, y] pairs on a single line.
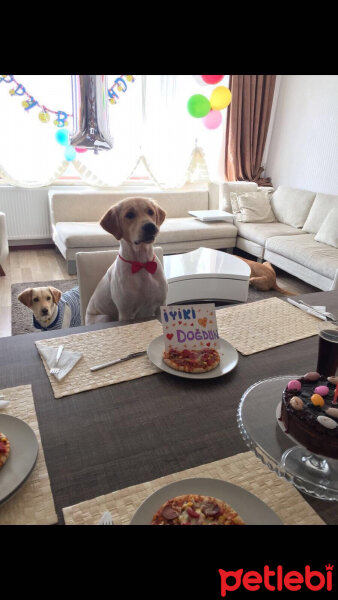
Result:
{"points": [[51, 308], [134, 286], [263, 277]]}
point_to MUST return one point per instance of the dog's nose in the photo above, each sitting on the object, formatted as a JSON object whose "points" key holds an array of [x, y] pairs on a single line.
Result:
{"points": [[149, 228], [44, 311]]}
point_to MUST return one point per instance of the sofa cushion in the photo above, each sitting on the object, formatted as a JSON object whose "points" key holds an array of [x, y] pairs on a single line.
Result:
{"points": [[186, 229], [90, 207], [233, 186], [322, 204], [91, 235], [84, 235], [260, 232], [252, 207], [291, 206], [304, 250], [328, 232]]}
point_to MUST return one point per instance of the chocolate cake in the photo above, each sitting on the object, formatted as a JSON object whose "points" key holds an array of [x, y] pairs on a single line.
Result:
{"points": [[309, 412]]}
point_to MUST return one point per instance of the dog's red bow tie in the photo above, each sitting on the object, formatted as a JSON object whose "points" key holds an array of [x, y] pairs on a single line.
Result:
{"points": [[150, 265]]}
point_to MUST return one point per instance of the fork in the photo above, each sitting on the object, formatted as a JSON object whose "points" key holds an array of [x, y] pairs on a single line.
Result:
{"points": [[106, 519], [55, 370]]}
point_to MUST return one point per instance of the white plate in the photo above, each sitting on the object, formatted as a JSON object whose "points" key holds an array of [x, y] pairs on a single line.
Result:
{"points": [[22, 456], [228, 354], [252, 510]]}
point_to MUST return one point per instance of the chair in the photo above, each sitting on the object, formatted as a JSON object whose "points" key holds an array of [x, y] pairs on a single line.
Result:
{"points": [[91, 266], [3, 242]]}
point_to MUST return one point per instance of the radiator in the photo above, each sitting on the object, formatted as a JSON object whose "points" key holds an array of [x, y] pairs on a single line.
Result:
{"points": [[27, 213]]}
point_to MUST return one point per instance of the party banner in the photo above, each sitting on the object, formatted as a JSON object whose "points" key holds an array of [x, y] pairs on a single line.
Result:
{"points": [[191, 326]]}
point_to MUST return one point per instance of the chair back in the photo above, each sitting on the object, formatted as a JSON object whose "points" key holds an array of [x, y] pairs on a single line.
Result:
{"points": [[91, 267]]}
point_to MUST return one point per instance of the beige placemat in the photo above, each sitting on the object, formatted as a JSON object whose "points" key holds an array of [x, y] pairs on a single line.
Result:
{"points": [[33, 503], [102, 346], [243, 469], [265, 324]]}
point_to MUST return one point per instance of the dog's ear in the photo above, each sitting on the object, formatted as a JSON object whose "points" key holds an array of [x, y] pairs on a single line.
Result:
{"points": [[160, 214], [111, 222], [55, 293], [26, 297]]}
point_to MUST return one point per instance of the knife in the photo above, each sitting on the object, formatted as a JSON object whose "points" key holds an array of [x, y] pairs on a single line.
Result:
{"points": [[118, 360]]}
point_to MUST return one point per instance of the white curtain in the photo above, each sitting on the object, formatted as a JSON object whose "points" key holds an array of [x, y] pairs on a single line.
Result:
{"points": [[149, 121]]}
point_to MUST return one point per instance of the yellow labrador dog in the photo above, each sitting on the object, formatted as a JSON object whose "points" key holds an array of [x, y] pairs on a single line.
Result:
{"points": [[134, 286], [51, 308]]}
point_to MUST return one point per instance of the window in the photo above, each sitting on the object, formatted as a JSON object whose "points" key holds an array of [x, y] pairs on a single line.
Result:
{"points": [[154, 135]]}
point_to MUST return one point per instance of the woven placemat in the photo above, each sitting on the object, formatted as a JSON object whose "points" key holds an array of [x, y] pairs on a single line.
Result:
{"points": [[102, 346], [265, 324], [33, 503], [243, 469]]}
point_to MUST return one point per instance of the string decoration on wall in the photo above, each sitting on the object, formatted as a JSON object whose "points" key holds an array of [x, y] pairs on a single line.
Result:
{"points": [[209, 109], [61, 118]]}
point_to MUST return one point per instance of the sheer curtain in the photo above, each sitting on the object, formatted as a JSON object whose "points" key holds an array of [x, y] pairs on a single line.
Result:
{"points": [[149, 121]]}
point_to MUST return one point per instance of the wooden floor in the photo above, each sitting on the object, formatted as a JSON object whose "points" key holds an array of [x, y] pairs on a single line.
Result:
{"points": [[28, 265]]}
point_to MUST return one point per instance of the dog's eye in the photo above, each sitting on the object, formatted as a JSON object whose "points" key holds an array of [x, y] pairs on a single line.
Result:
{"points": [[130, 215], [35, 299], [150, 211], [48, 298]]}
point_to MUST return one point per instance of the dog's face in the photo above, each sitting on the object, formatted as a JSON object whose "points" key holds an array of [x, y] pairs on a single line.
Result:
{"points": [[42, 301], [136, 220]]}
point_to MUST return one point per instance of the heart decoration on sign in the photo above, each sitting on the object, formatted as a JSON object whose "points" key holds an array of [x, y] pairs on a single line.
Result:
{"points": [[203, 322], [170, 336]]}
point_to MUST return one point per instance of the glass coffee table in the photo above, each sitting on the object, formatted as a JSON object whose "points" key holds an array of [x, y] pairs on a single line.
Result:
{"points": [[206, 274], [257, 417]]}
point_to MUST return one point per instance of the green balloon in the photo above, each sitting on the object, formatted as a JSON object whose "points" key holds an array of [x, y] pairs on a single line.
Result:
{"points": [[198, 106]]}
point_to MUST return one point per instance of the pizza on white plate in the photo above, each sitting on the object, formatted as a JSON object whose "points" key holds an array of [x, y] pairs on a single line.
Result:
{"points": [[194, 509], [5, 448], [192, 361]]}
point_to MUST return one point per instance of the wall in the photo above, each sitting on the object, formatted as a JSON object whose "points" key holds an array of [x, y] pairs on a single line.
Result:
{"points": [[302, 144]]}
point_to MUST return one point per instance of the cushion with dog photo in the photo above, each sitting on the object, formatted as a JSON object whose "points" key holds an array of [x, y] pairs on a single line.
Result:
{"points": [[252, 207]]}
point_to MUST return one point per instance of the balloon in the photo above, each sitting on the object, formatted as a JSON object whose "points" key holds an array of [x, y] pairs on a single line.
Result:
{"points": [[90, 110], [220, 98], [198, 79], [80, 150], [213, 119], [212, 79], [198, 106], [70, 153], [62, 137]]}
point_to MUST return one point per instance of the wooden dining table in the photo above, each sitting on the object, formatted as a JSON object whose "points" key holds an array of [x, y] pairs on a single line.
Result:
{"points": [[106, 439]]}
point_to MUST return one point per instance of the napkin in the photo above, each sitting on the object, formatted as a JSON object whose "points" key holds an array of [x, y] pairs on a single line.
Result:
{"points": [[318, 311], [66, 362]]}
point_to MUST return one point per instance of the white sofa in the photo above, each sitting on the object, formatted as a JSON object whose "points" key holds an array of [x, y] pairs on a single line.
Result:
{"points": [[288, 242], [3, 242], [75, 221]]}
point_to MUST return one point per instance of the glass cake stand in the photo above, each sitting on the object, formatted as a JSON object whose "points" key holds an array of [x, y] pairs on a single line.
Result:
{"points": [[257, 417]]}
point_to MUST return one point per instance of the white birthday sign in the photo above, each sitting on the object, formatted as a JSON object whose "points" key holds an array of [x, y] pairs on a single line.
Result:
{"points": [[191, 326]]}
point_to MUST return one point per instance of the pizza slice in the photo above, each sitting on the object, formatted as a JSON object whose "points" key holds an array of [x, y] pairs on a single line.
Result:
{"points": [[195, 509], [192, 361], [5, 448]]}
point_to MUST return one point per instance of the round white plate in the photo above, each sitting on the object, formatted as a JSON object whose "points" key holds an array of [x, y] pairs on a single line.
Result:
{"points": [[228, 354], [252, 510], [22, 457]]}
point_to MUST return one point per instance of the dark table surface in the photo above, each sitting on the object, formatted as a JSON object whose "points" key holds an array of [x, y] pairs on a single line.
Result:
{"points": [[109, 438]]}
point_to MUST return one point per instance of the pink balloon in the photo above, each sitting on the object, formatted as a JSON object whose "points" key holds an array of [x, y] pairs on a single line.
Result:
{"points": [[212, 79], [81, 150], [213, 119]]}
